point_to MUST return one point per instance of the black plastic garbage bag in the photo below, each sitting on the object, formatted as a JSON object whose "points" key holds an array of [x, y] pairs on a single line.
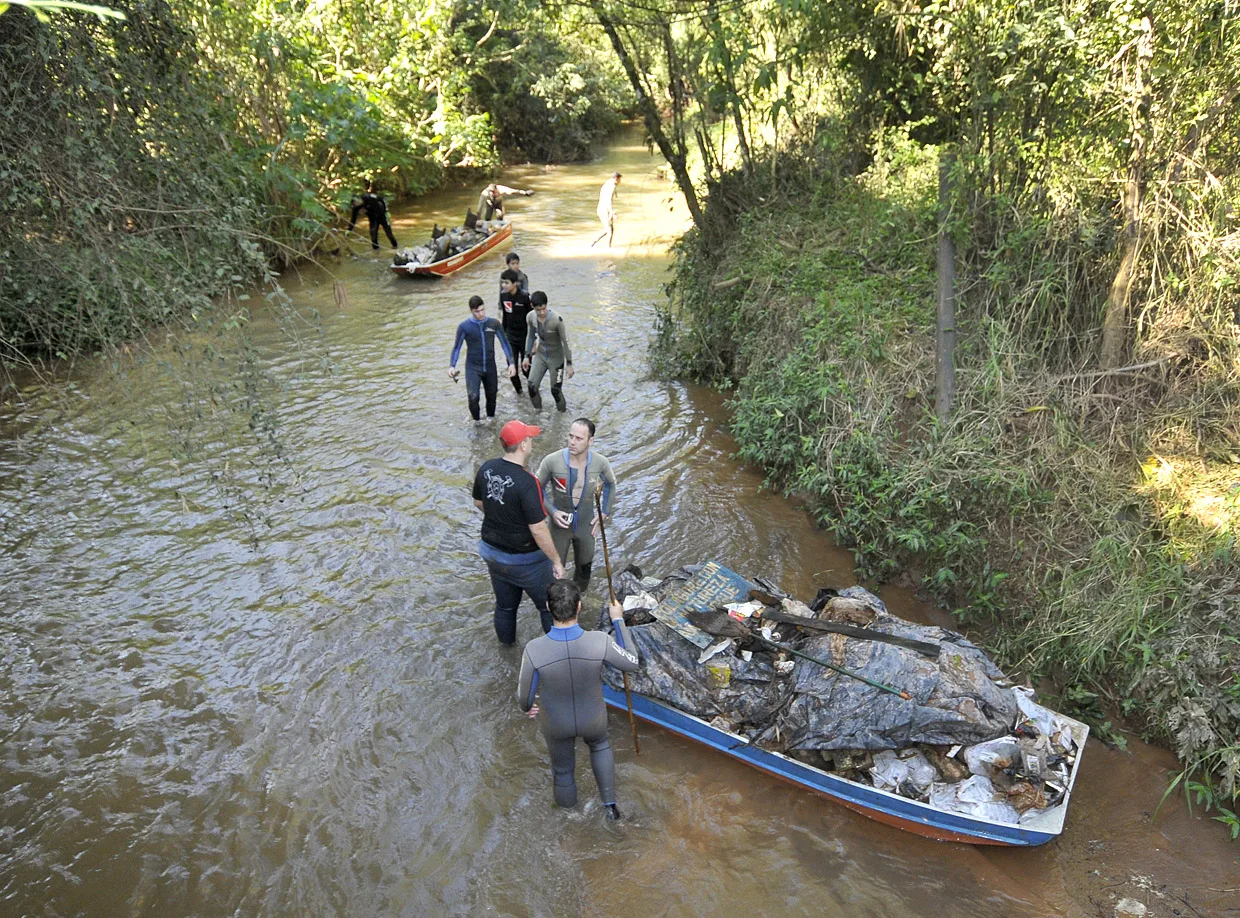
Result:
{"points": [[955, 699]]}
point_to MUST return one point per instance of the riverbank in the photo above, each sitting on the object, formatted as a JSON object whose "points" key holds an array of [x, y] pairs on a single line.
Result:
{"points": [[1087, 519]]}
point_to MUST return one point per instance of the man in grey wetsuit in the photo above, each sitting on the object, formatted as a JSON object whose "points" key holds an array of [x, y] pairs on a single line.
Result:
{"points": [[546, 348], [564, 668], [573, 474]]}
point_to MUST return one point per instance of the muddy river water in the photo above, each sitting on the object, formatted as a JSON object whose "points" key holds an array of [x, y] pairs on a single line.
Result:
{"points": [[276, 691]]}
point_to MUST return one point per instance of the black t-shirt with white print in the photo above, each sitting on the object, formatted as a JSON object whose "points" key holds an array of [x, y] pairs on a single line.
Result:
{"points": [[512, 501]]}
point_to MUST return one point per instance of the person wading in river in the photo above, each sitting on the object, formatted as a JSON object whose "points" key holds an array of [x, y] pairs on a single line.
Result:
{"points": [[376, 213], [607, 209], [478, 334], [515, 308], [515, 544], [512, 262], [564, 667], [573, 474], [491, 200], [546, 349]]}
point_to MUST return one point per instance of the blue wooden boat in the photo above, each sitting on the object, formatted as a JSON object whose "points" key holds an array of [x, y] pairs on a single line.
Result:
{"points": [[1036, 828]]}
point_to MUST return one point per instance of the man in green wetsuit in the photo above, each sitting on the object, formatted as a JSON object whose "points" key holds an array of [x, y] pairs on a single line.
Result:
{"points": [[546, 349], [573, 474]]}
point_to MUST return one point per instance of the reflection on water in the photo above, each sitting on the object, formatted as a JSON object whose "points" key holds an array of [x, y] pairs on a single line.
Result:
{"points": [[313, 717]]}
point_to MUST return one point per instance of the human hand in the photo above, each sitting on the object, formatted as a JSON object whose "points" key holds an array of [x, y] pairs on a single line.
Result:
{"points": [[525, 364], [562, 518], [453, 373], [616, 611], [557, 569], [533, 712], [512, 371], [571, 371], [597, 526]]}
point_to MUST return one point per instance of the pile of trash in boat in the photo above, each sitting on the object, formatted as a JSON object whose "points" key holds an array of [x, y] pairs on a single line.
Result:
{"points": [[445, 243], [929, 718]]}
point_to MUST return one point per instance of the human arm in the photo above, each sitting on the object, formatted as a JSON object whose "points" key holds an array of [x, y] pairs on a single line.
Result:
{"points": [[504, 189], [453, 372], [568, 351], [478, 504], [542, 535], [622, 651], [353, 219], [503, 342], [531, 336], [527, 683]]}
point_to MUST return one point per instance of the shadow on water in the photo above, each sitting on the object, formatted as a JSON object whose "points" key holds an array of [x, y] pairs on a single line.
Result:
{"points": [[323, 724]]}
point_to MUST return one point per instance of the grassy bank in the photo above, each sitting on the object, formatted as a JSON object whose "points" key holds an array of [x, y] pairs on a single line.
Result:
{"points": [[1088, 519]]}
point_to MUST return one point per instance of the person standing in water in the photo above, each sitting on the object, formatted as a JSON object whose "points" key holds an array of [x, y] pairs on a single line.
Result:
{"points": [[564, 667], [573, 474], [546, 349], [515, 308], [491, 200], [512, 262], [607, 209], [515, 542], [376, 214], [478, 334]]}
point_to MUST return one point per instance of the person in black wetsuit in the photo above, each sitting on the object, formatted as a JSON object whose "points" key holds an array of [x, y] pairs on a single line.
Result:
{"points": [[563, 667], [478, 334], [376, 213], [515, 307], [516, 543]]}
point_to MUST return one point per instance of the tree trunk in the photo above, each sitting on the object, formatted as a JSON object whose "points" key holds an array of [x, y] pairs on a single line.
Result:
{"points": [[1116, 321], [945, 321], [675, 155]]}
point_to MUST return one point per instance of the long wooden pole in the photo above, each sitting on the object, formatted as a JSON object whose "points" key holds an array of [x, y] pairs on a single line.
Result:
{"points": [[611, 591]]}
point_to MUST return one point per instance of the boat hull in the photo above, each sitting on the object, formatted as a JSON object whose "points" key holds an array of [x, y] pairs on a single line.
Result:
{"points": [[891, 809], [446, 266]]}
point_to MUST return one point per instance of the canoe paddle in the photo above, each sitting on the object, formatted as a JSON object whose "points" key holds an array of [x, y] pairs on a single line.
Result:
{"points": [[628, 696]]}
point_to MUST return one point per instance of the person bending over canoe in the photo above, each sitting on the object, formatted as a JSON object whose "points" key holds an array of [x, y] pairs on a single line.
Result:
{"points": [[515, 543], [573, 475], [491, 201], [515, 307], [564, 667], [478, 334], [376, 214], [546, 349]]}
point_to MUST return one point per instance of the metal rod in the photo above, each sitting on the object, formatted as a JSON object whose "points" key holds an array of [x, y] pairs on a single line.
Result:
{"points": [[611, 590]]}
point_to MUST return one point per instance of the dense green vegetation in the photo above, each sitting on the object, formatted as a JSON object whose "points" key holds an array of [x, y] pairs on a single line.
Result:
{"points": [[154, 162], [1082, 498]]}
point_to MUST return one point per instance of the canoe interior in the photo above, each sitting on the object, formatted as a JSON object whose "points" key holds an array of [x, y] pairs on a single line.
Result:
{"points": [[446, 266], [891, 809]]}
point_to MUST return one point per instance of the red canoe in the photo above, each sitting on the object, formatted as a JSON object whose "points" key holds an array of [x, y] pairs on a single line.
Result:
{"points": [[446, 266]]}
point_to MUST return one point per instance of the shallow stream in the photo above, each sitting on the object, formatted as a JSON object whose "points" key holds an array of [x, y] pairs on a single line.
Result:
{"points": [[277, 691]]}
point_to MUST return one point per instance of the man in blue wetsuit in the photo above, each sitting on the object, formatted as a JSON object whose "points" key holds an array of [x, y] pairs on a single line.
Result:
{"points": [[478, 334], [564, 667], [516, 544]]}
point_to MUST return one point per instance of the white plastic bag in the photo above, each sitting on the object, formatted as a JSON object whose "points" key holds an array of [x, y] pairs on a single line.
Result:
{"points": [[892, 770], [975, 797], [985, 758]]}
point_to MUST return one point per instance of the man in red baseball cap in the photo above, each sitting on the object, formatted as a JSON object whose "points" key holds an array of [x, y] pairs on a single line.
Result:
{"points": [[516, 542]]}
